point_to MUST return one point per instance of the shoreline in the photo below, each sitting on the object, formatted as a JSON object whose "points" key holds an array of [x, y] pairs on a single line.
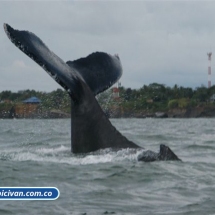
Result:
{"points": [[141, 115]]}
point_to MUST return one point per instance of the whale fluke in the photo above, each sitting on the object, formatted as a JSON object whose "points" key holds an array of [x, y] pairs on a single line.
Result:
{"points": [[99, 70], [84, 78], [91, 129]]}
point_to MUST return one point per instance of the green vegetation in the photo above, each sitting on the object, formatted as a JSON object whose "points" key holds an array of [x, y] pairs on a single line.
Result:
{"points": [[148, 99], [58, 99], [158, 97]]}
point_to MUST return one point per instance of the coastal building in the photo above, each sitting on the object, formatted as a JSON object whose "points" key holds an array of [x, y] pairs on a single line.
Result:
{"points": [[28, 108], [32, 100]]}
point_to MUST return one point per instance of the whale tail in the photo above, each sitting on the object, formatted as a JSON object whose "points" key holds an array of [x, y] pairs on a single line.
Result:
{"points": [[99, 70], [83, 79]]}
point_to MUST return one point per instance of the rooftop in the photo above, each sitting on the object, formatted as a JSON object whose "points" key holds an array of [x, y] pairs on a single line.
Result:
{"points": [[34, 100]]}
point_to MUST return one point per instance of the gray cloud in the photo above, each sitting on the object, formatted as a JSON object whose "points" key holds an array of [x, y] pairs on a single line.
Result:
{"points": [[163, 42]]}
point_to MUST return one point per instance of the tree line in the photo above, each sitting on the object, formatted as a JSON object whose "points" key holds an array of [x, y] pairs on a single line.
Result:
{"points": [[152, 97], [158, 97], [58, 99]]}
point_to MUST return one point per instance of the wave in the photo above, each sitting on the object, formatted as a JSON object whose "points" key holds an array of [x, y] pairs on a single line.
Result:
{"points": [[62, 154], [204, 145]]}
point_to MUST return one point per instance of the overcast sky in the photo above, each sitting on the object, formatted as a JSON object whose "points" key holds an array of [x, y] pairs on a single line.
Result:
{"points": [[159, 41]]}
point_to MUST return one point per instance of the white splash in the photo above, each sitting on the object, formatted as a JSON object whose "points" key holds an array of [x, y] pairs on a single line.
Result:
{"points": [[62, 154]]}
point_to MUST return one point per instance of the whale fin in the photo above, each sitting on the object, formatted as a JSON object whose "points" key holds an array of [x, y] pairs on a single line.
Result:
{"points": [[165, 154], [96, 72], [91, 129]]}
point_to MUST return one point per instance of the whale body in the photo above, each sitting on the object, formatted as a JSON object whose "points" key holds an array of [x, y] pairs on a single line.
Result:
{"points": [[83, 79]]}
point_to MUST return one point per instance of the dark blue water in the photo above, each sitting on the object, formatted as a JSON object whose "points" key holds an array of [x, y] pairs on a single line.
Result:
{"points": [[37, 153]]}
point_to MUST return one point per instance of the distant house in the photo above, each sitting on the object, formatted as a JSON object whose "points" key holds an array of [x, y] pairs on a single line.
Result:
{"points": [[32, 100], [212, 98], [28, 109]]}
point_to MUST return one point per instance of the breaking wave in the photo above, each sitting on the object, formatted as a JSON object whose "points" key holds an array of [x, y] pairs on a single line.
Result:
{"points": [[62, 154]]}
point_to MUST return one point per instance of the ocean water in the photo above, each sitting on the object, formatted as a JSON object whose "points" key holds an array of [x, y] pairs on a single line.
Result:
{"points": [[37, 153]]}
